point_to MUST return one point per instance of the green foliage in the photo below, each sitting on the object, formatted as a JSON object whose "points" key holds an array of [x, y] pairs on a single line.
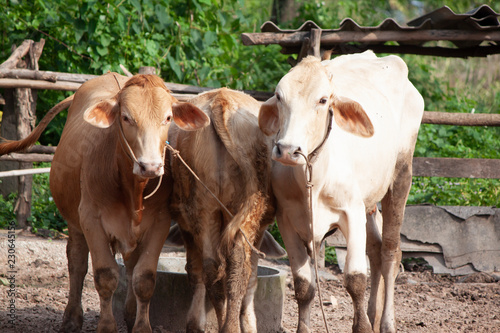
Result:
{"points": [[194, 42], [198, 42], [7, 210], [330, 255], [44, 213], [273, 230]]}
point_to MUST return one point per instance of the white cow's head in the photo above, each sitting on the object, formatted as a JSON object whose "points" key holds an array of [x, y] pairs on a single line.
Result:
{"points": [[298, 112], [145, 109]]}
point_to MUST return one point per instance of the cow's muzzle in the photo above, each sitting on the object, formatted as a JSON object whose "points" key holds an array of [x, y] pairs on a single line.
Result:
{"points": [[287, 154], [148, 170]]}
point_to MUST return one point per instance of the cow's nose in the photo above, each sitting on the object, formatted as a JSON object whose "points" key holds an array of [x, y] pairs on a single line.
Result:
{"points": [[287, 154], [150, 170]]}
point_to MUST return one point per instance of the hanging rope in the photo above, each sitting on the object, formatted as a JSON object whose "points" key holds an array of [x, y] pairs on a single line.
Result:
{"points": [[177, 154], [310, 159]]}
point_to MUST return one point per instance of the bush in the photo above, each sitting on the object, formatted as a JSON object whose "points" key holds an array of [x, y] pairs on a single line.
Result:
{"points": [[44, 213]]}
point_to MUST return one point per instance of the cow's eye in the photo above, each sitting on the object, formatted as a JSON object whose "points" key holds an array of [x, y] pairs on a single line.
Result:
{"points": [[127, 119], [167, 120], [278, 97], [323, 100]]}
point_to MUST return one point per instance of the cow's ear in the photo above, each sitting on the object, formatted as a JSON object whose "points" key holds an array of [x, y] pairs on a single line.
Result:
{"points": [[188, 117], [269, 120], [102, 114], [271, 248], [351, 117]]}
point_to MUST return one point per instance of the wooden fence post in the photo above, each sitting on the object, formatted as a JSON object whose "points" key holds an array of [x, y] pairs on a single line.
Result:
{"points": [[20, 110]]}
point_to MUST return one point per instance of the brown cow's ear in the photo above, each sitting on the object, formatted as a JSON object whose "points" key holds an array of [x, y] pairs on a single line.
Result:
{"points": [[269, 120], [188, 117], [351, 117], [102, 114]]}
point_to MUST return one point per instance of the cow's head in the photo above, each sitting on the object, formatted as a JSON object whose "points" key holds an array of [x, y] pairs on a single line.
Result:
{"points": [[298, 113], [144, 108]]}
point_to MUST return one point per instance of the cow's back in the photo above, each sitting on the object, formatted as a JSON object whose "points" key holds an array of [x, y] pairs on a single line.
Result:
{"points": [[395, 108], [229, 156]]}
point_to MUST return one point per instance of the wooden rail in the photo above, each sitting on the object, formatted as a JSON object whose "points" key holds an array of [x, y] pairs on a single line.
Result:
{"points": [[296, 38]]}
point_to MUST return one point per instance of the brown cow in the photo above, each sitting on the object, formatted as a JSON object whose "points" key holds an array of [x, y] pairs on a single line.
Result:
{"points": [[232, 157], [112, 144]]}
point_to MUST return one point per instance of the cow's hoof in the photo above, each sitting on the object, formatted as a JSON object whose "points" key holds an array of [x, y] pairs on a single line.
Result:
{"points": [[70, 327], [107, 326], [72, 323]]}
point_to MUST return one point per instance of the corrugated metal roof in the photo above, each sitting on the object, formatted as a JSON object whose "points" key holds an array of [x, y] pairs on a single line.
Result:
{"points": [[482, 20]]}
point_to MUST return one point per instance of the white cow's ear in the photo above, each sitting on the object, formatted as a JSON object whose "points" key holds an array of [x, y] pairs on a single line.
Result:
{"points": [[189, 117], [351, 117], [102, 114], [269, 117]]}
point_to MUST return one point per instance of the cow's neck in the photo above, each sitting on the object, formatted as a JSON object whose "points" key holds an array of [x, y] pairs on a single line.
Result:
{"points": [[132, 185]]}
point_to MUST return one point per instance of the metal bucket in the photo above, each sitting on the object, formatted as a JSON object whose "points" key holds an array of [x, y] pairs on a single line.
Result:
{"points": [[172, 298]]}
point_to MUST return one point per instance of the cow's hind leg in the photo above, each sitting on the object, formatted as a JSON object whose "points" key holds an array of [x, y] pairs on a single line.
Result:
{"points": [[238, 274], [247, 318], [393, 207], [77, 252], [373, 248], [130, 301]]}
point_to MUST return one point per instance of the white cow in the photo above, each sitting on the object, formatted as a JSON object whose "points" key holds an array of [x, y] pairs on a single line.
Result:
{"points": [[375, 113]]}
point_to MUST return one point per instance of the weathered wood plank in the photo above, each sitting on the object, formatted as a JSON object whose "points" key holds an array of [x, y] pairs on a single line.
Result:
{"points": [[38, 84], [31, 158], [45, 75], [17, 54], [296, 38], [456, 167], [454, 52], [461, 119]]}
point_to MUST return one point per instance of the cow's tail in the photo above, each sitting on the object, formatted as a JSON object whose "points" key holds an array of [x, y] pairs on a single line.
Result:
{"points": [[248, 151], [9, 146]]}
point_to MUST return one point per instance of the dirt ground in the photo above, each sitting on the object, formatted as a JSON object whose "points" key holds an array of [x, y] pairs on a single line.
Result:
{"points": [[425, 302]]}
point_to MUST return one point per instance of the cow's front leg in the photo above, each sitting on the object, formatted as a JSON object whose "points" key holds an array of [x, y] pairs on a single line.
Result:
{"points": [[303, 278], [144, 273], [105, 268], [354, 231], [196, 316]]}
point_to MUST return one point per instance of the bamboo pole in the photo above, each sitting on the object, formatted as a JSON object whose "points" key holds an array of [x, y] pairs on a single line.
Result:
{"points": [[461, 119], [23, 172]]}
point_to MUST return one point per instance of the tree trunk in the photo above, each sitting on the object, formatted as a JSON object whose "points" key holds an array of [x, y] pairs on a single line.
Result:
{"points": [[284, 11]]}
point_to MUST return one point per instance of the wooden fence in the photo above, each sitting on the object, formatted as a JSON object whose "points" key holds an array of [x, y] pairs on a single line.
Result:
{"points": [[20, 86]]}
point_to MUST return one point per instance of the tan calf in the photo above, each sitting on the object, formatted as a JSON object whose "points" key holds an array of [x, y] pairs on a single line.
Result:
{"points": [[232, 157]]}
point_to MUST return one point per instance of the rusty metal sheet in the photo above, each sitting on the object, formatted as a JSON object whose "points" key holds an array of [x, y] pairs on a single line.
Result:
{"points": [[481, 19]]}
